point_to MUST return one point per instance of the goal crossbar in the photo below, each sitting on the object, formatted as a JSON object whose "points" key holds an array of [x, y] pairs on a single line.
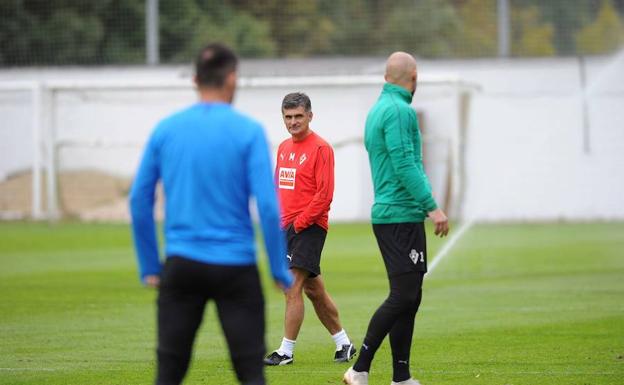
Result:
{"points": [[45, 144]]}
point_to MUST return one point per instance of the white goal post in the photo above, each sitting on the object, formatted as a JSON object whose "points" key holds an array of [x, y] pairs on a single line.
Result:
{"points": [[46, 120]]}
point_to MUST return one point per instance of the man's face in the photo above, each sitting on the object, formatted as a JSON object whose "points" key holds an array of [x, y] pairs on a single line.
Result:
{"points": [[297, 120]]}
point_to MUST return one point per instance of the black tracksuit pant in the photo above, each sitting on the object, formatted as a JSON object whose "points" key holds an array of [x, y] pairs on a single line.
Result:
{"points": [[395, 317], [403, 247], [186, 287]]}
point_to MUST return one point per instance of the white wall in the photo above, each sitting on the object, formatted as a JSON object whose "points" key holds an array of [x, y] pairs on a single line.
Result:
{"points": [[527, 158], [525, 152], [16, 133]]}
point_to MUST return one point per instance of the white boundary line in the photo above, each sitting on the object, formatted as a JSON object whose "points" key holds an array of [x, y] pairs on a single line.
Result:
{"points": [[449, 244]]}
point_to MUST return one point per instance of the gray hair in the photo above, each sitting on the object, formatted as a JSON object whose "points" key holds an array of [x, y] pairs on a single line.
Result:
{"points": [[296, 99]]}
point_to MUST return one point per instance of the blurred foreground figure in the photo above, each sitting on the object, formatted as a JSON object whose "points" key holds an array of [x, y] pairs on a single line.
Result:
{"points": [[211, 160], [402, 202]]}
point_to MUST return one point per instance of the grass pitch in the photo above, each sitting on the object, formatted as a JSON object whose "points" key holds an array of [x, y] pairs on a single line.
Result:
{"points": [[510, 304]]}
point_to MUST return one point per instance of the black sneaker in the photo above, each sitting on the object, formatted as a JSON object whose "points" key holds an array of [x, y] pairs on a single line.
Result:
{"points": [[345, 354], [275, 359]]}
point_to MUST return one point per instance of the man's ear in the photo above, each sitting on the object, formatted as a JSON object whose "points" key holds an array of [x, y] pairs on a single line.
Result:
{"points": [[231, 79], [311, 115]]}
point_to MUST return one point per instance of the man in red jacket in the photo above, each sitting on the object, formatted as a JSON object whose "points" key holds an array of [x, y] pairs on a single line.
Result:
{"points": [[305, 177]]}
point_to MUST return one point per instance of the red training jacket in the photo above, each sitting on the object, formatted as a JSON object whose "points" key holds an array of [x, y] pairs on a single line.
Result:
{"points": [[304, 173]]}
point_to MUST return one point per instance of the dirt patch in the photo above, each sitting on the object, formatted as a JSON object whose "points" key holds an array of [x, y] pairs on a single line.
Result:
{"points": [[87, 195]]}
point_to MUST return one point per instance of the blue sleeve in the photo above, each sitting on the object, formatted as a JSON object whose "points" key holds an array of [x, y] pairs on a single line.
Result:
{"points": [[142, 198], [260, 177]]}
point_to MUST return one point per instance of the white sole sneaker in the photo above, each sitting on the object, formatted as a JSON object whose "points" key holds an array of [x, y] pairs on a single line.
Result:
{"points": [[351, 377]]}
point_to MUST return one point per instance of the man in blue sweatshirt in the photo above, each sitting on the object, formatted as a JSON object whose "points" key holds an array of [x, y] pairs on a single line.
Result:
{"points": [[211, 160]]}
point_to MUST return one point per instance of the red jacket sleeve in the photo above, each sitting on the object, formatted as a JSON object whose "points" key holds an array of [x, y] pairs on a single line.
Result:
{"points": [[324, 176]]}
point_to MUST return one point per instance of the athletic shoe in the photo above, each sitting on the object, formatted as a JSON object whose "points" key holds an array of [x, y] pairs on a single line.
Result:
{"points": [[411, 381], [276, 359], [351, 377], [345, 354]]}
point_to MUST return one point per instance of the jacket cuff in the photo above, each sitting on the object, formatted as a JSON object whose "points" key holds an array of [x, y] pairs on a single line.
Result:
{"points": [[430, 204]]}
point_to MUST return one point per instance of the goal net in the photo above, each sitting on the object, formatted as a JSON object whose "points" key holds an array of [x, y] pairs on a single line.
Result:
{"points": [[75, 144]]}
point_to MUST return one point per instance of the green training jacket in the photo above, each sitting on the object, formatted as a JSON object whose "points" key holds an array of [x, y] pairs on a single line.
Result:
{"points": [[392, 139]]}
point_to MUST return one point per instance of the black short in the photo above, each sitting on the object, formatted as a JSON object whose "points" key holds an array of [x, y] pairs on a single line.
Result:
{"points": [[305, 247], [403, 247]]}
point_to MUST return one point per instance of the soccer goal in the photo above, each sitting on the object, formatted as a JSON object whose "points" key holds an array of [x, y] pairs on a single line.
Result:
{"points": [[87, 135]]}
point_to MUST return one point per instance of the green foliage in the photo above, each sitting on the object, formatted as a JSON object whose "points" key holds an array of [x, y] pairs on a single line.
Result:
{"points": [[78, 37], [605, 34], [417, 29], [14, 44], [70, 32], [565, 16], [354, 30], [478, 31], [57, 32], [124, 39], [511, 304], [186, 25], [531, 37], [297, 27]]}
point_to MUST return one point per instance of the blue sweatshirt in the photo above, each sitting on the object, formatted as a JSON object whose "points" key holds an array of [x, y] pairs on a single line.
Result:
{"points": [[211, 160]]}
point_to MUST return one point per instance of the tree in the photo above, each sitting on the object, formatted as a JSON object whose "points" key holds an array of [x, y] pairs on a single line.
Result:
{"points": [[478, 29], [297, 26], [57, 32], [124, 32], [531, 37], [605, 34], [186, 25], [47, 35], [249, 36], [426, 28], [70, 32], [565, 16], [14, 42], [75, 37], [352, 28]]}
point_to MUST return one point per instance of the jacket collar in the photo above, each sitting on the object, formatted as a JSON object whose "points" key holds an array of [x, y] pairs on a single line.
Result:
{"points": [[404, 94]]}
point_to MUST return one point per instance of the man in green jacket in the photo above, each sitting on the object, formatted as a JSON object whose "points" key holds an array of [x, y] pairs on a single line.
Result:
{"points": [[402, 202]]}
